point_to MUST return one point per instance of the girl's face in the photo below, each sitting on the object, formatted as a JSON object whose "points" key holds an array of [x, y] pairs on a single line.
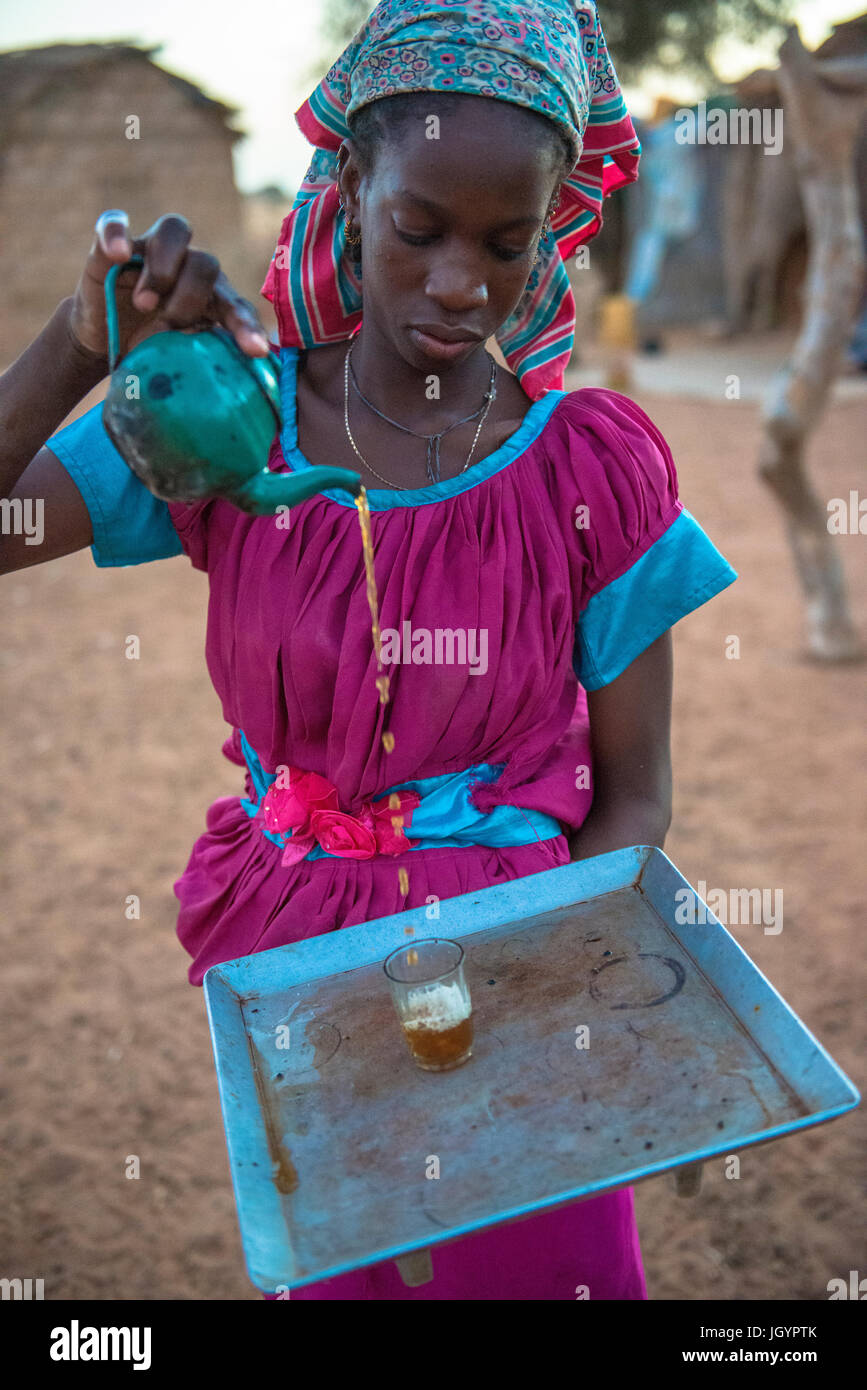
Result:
{"points": [[449, 226]]}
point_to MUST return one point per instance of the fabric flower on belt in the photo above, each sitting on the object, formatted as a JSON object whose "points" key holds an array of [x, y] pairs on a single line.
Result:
{"points": [[308, 810]]}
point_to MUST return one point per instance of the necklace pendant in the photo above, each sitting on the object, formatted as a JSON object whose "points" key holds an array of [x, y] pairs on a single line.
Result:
{"points": [[433, 441]]}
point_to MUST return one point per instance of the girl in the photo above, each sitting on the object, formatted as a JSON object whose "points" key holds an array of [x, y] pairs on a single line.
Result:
{"points": [[462, 151]]}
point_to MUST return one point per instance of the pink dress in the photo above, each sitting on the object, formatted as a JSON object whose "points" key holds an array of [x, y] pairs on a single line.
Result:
{"points": [[568, 547]]}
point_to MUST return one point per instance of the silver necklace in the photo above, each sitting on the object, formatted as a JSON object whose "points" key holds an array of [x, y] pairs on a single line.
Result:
{"points": [[433, 440]]}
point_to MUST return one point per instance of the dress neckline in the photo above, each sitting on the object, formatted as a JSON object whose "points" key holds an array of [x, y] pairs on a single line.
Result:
{"points": [[383, 499]]}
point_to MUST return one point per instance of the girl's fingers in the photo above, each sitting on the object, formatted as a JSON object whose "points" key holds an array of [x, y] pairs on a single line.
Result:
{"points": [[112, 236], [186, 287], [164, 246], [191, 295], [240, 318], [112, 245]]}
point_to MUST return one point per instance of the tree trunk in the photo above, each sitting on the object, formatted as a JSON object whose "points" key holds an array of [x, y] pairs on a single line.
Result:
{"points": [[823, 108]]}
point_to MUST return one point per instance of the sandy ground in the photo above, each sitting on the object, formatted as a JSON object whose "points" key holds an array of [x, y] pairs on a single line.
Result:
{"points": [[108, 765]]}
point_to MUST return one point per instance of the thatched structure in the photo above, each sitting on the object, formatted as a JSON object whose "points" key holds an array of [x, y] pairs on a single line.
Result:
{"points": [[67, 113]]}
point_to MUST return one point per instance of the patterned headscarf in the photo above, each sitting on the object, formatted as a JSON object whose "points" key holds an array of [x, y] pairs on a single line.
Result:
{"points": [[547, 55]]}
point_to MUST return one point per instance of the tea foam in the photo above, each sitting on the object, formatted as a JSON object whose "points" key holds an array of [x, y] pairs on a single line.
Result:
{"points": [[437, 1008]]}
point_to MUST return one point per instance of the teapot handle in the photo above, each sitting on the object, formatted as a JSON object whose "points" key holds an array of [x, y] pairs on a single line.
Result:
{"points": [[134, 263]]}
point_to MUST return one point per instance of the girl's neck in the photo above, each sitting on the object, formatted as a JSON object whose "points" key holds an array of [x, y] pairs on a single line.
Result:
{"points": [[404, 392]]}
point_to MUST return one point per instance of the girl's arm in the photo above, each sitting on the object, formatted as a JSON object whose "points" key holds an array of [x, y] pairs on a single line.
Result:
{"points": [[40, 389], [630, 726]]}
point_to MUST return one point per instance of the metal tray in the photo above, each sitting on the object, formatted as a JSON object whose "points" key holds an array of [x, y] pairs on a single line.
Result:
{"points": [[692, 1053]]}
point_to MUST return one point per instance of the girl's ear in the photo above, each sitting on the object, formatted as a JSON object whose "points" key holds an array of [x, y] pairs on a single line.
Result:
{"points": [[348, 177]]}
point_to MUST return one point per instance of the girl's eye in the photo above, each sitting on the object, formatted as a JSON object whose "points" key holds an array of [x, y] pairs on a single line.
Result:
{"points": [[414, 240], [501, 252]]}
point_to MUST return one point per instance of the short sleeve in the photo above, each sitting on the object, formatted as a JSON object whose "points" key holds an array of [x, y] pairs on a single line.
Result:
{"points": [[639, 560], [130, 525], [193, 523]]}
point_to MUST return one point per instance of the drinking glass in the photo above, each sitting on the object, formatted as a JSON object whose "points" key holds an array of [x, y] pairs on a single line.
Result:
{"points": [[430, 995]]}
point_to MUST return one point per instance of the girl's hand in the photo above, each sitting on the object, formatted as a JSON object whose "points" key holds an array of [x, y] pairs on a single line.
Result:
{"points": [[176, 288]]}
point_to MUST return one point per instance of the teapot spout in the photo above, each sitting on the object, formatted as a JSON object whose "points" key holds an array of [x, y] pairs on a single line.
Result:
{"points": [[266, 491]]}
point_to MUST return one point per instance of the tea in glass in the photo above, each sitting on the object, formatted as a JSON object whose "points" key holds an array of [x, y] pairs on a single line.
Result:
{"points": [[432, 1001]]}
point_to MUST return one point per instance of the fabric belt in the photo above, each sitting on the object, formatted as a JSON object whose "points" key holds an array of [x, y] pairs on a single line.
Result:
{"points": [[443, 817]]}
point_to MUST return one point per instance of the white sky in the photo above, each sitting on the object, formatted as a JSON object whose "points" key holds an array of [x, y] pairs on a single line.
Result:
{"points": [[261, 56]]}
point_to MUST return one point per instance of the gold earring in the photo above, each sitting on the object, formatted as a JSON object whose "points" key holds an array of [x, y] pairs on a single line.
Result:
{"points": [[352, 237], [552, 208], [546, 225]]}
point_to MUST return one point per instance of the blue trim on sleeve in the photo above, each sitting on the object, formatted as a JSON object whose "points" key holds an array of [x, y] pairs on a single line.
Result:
{"points": [[130, 525], [680, 572]]}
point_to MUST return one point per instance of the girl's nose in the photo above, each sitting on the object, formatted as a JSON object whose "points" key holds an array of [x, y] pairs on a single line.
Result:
{"points": [[457, 284]]}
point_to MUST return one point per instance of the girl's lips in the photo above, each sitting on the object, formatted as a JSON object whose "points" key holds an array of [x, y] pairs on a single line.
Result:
{"points": [[437, 347]]}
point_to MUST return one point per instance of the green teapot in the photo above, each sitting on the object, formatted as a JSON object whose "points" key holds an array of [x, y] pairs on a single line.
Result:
{"points": [[194, 417]]}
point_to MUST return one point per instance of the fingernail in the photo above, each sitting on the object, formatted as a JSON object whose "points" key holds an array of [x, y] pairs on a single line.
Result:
{"points": [[146, 300]]}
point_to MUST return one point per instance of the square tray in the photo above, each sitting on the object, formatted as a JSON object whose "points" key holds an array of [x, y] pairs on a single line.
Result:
{"points": [[692, 1053]]}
